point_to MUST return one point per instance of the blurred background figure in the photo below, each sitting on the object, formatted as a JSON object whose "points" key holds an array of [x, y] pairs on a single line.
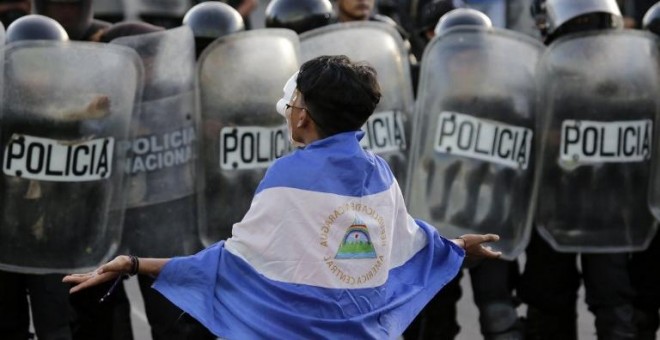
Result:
{"points": [[431, 13], [76, 16], [211, 20], [112, 11], [299, 15], [633, 11], [11, 10], [163, 13], [361, 10]]}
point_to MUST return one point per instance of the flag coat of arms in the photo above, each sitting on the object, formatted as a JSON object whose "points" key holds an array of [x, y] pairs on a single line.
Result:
{"points": [[326, 250]]}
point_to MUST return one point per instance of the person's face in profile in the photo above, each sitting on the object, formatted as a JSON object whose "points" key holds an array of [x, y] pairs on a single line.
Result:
{"points": [[352, 10]]}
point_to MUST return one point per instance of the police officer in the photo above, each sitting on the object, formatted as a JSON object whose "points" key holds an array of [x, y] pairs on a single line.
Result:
{"points": [[110, 319], [211, 20], [161, 205], [49, 303], [299, 15], [493, 281], [645, 274], [550, 279]]}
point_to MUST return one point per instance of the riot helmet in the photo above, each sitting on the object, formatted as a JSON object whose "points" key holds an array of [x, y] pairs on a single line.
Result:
{"points": [[35, 27], [10, 10], [74, 15], [651, 19], [462, 17], [562, 17], [299, 15], [211, 20]]}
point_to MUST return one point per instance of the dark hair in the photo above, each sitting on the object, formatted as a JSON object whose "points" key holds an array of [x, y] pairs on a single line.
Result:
{"points": [[340, 95], [433, 11]]}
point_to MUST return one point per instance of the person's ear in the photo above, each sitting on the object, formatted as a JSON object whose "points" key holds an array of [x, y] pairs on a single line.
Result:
{"points": [[303, 119]]}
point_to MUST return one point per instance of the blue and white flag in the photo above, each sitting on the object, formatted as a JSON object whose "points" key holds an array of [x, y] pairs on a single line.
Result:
{"points": [[326, 250]]}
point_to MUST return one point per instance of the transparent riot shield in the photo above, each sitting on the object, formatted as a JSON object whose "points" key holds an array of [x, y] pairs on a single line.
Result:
{"points": [[240, 78], [161, 202], [472, 165], [388, 129], [599, 101], [66, 109]]}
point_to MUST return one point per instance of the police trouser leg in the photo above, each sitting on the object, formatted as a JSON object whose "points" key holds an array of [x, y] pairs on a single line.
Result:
{"points": [[107, 320], [647, 322], [51, 311], [645, 277], [14, 311], [167, 321], [493, 282], [609, 294], [437, 321], [549, 286]]}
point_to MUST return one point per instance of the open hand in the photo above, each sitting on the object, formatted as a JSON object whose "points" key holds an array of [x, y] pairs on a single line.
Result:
{"points": [[474, 249], [107, 272]]}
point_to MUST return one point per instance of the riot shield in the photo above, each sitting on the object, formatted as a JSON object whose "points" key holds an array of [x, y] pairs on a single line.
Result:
{"points": [[388, 129], [471, 167], [599, 100], [240, 78], [161, 205], [66, 108]]}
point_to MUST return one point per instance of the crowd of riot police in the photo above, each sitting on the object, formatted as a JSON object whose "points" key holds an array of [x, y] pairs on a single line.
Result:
{"points": [[149, 136]]}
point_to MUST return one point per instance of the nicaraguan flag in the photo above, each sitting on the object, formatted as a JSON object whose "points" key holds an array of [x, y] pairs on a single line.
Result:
{"points": [[327, 250]]}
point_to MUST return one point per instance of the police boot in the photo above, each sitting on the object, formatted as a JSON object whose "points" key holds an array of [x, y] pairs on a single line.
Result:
{"points": [[615, 323], [542, 325], [499, 321], [646, 323]]}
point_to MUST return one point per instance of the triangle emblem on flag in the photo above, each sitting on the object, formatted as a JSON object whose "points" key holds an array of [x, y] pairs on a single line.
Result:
{"points": [[356, 243]]}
